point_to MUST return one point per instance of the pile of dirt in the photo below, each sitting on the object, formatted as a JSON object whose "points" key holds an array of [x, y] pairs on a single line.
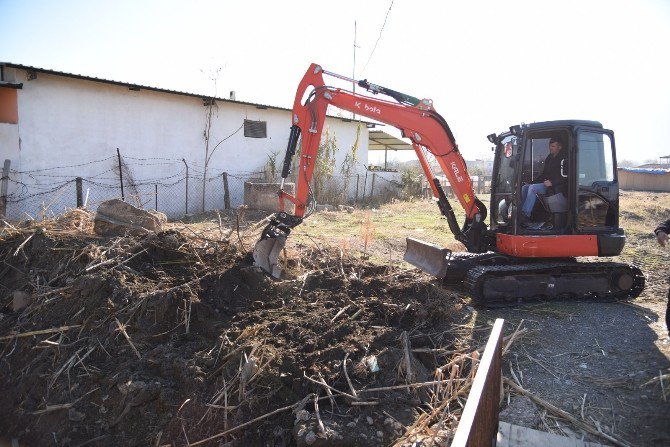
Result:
{"points": [[175, 338]]}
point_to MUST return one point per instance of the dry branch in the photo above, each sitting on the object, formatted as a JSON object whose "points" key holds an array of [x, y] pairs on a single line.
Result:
{"points": [[122, 329], [328, 387], [565, 415], [40, 332], [346, 375], [404, 338], [253, 421]]}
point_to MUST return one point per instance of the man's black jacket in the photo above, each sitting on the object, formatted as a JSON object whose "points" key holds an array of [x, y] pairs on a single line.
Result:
{"points": [[555, 170]]}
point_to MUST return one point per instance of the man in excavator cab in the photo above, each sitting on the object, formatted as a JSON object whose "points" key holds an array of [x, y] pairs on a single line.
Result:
{"points": [[503, 261], [550, 186]]}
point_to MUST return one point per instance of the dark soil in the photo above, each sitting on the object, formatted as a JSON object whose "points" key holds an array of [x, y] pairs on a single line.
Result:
{"points": [[217, 343], [221, 344]]}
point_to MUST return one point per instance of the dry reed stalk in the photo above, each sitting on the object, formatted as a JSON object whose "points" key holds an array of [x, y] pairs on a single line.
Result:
{"points": [[328, 392], [346, 375], [51, 408], [40, 332], [404, 338], [122, 328], [368, 232], [411, 385], [422, 422], [23, 244], [66, 365], [325, 385], [252, 421], [340, 312], [322, 428], [508, 341], [565, 415]]}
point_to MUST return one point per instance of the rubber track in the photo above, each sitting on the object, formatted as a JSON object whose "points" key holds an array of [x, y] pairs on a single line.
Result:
{"points": [[475, 278]]}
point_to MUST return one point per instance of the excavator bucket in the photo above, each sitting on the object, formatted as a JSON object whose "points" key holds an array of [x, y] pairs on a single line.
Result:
{"points": [[266, 254], [428, 257]]}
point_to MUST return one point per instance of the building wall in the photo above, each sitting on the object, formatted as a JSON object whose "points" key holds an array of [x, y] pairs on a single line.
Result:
{"points": [[640, 181], [68, 123]]}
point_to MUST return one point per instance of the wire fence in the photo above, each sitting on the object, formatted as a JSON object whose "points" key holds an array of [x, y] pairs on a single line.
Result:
{"points": [[170, 186]]}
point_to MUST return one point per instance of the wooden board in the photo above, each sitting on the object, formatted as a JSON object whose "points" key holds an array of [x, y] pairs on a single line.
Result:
{"points": [[478, 426]]}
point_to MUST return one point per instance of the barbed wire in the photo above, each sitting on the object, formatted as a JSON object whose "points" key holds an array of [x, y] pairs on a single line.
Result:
{"points": [[12, 198], [52, 190], [62, 167]]}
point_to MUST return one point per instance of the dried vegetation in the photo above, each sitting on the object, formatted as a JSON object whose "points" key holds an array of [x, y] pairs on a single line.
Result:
{"points": [[175, 339]]}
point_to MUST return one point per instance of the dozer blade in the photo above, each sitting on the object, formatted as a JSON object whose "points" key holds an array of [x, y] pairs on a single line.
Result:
{"points": [[266, 254], [428, 257]]}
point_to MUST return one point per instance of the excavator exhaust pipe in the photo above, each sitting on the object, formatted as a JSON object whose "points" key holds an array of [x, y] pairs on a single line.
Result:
{"points": [[428, 257], [266, 254]]}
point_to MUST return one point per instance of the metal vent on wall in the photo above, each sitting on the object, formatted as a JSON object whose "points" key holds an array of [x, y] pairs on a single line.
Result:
{"points": [[255, 129]]}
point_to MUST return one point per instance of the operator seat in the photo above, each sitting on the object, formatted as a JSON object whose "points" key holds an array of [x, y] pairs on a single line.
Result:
{"points": [[557, 206]]}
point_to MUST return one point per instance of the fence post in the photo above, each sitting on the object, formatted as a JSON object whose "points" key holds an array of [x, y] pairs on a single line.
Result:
{"points": [[4, 182], [372, 187], [118, 154], [186, 185], [365, 184], [80, 195], [156, 197], [358, 179], [226, 192]]}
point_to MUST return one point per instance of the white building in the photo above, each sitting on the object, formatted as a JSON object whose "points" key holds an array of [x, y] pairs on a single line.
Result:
{"points": [[57, 126]]}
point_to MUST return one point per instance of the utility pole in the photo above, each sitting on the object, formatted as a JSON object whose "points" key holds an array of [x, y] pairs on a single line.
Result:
{"points": [[353, 71]]}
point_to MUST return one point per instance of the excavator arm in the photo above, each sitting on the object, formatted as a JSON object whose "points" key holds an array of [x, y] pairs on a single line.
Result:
{"points": [[416, 119]]}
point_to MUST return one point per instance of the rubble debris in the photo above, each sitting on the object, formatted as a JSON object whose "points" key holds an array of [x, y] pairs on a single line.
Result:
{"points": [[117, 218]]}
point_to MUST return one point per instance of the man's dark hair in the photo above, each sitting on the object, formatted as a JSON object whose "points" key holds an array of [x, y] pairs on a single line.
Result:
{"points": [[556, 140]]}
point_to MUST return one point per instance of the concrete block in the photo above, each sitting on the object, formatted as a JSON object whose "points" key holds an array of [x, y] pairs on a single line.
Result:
{"points": [[116, 218], [348, 209], [263, 196]]}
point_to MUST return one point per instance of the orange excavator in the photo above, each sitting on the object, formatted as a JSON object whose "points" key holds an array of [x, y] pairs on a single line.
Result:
{"points": [[516, 256]]}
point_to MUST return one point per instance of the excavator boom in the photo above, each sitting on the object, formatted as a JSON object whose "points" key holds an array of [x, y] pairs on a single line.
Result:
{"points": [[417, 121]]}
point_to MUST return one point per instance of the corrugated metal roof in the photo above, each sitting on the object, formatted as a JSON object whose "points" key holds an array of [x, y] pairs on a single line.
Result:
{"points": [[156, 89], [646, 170], [380, 141]]}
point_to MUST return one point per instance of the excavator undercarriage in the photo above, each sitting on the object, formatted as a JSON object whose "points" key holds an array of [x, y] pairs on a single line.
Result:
{"points": [[494, 279]]}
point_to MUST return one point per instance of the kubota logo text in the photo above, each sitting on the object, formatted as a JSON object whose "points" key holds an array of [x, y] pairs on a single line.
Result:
{"points": [[367, 108], [457, 172]]}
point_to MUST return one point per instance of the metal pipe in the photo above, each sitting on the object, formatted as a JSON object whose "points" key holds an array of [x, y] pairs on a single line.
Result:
{"points": [[339, 76]]}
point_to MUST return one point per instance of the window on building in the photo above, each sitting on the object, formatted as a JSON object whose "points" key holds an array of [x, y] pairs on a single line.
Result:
{"points": [[9, 110], [255, 129]]}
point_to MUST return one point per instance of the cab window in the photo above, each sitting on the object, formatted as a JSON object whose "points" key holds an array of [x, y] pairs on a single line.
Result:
{"points": [[595, 162]]}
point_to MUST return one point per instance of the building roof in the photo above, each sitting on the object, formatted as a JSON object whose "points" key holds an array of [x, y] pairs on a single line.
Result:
{"points": [[155, 89], [380, 141], [646, 170]]}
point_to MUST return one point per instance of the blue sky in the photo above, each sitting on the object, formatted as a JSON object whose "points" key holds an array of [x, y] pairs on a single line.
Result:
{"points": [[486, 65]]}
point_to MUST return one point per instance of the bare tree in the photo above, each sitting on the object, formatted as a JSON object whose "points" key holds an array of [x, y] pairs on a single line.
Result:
{"points": [[211, 106]]}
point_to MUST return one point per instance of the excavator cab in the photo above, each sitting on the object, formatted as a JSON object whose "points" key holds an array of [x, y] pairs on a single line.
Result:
{"points": [[587, 203]]}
